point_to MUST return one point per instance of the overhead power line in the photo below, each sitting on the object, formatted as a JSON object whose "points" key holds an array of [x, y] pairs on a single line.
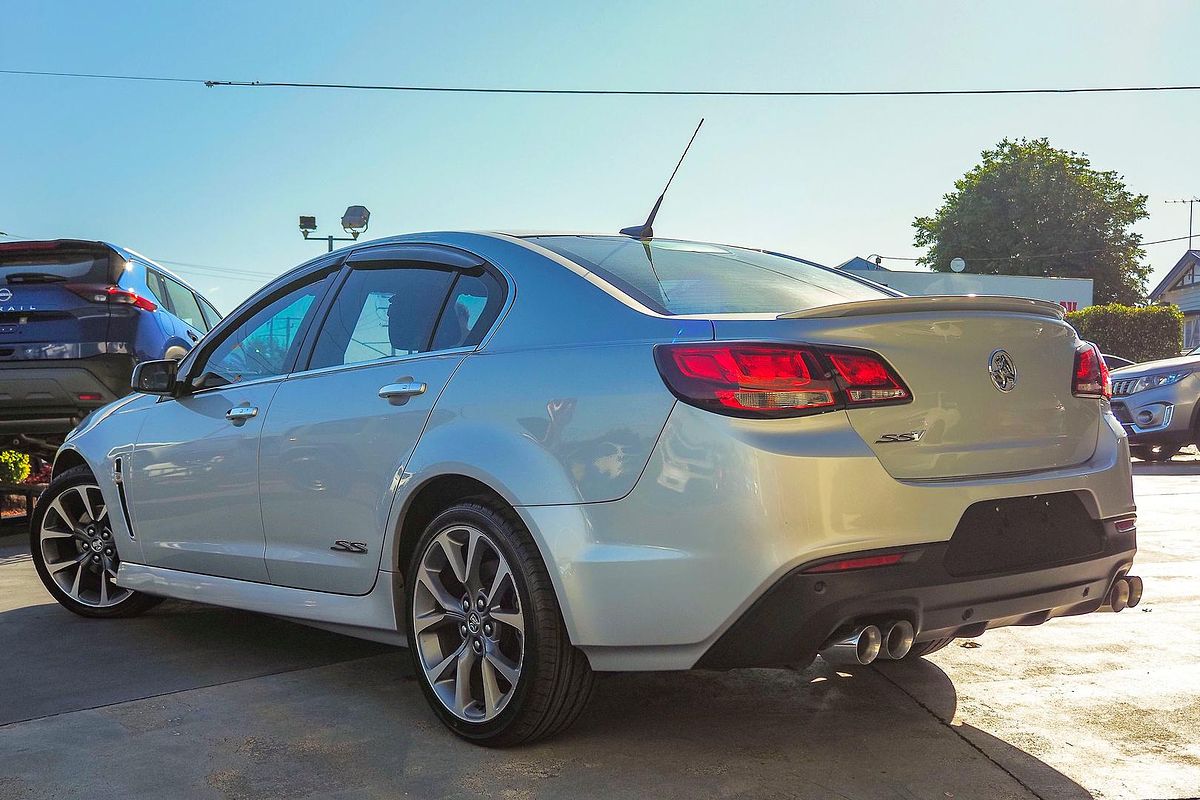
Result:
{"points": [[628, 92], [1037, 255]]}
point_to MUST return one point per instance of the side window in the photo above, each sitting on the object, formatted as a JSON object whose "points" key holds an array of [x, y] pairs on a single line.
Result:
{"points": [[380, 313], [183, 304], [264, 344], [211, 315], [474, 303], [155, 284]]}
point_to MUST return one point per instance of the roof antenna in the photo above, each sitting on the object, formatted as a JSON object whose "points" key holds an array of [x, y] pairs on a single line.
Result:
{"points": [[646, 231]]}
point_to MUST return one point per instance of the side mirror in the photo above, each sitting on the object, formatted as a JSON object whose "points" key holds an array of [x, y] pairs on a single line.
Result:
{"points": [[155, 377]]}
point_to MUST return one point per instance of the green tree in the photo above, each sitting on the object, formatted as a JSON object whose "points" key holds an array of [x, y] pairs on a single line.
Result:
{"points": [[1032, 209]]}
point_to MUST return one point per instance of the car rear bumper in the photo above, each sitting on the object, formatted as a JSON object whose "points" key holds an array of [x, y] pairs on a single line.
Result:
{"points": [[791, 621], [725, 510], [42, 398]]}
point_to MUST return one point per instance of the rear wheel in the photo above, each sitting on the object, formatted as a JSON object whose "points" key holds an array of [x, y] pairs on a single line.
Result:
{"points": [[1157, 452], [74, 552], [920, 649], [485, 632]]}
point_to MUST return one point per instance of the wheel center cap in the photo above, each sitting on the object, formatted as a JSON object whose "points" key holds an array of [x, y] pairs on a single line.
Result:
{"points": [[473, 623], [97, 546]]}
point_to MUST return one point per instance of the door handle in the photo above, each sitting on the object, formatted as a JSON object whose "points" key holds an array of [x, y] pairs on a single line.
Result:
{"points": [[400, 392], [241, 413], [192, 335]]}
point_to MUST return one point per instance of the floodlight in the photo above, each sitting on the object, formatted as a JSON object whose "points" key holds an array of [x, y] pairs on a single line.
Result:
{"points": [[308, 223], [355, 220]]}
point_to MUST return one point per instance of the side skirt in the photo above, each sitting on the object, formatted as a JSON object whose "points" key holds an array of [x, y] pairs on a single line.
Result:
{"points": [[370, 616]]}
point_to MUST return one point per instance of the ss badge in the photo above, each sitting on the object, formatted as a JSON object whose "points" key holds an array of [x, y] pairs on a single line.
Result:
{"points": [[349, 547], [893, 438]]}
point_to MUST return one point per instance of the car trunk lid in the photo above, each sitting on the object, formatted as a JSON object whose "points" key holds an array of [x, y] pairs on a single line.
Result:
{"points": [[959, 424]]}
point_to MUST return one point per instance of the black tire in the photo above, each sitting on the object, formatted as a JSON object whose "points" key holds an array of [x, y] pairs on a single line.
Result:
{"points": [[921, 649], [130, 606], [1155, 453], [555, 678]]}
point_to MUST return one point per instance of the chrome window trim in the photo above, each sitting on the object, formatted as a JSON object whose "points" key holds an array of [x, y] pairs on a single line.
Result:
{"points": [[380, 361]]}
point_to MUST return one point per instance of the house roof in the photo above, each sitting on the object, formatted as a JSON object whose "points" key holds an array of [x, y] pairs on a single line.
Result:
{"points": [[860, 263], [1190, 257]]}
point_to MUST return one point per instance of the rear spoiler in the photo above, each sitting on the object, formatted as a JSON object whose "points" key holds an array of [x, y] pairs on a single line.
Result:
{"points": [[939, 303]]}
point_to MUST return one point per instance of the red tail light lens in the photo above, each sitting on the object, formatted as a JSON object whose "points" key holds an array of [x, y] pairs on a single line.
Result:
{"points": [[111, 294], [1091, 373], [776, 380]]}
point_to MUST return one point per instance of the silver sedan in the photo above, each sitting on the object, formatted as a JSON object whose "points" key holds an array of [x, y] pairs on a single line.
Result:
{"points": [[533, 457]]}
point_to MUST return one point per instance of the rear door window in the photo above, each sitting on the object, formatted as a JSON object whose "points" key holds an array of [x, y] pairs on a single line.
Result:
{"points": [[211, 315], [676, 277], [154, 283], [382, 312]]}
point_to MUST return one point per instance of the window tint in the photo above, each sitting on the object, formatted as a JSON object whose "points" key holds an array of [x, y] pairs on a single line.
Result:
{"points": [[690, 278], [183, 304], [473, 306], [211, 315], [155, 285], [380, 313], [264, 344]]}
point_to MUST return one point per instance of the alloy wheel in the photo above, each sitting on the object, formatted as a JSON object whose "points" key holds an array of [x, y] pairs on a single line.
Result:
{"points": [[468, 623], [77, 547]]}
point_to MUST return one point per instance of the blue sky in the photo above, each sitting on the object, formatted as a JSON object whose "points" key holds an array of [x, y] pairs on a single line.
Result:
{"points": [[218, 176]]}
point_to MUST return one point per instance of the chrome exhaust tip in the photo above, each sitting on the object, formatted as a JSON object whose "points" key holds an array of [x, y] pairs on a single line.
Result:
{"points": [[897, 640], [860, 647], [1135, 590], [1118, 596]]}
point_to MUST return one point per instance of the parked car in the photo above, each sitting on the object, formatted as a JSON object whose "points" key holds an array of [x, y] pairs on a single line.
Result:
{"points": [[1158, 404], [1116, 362], [75, 316], [529, 458]]}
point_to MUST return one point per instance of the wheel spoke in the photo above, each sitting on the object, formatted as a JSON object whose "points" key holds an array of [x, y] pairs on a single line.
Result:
{"points": [[435, 672], [462, 680], [87, 504], [513, 620], [103, 589], [491, 690], [49, 534], [502, 573], [471, 568], [78, 576], [510, 671], [427, 621], [57, 508], [447, 601], [455, 557], [59, 566]]}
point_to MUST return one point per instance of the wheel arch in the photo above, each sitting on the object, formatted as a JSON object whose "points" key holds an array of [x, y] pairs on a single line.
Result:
{"points": [[437, 492], [68, 458]]}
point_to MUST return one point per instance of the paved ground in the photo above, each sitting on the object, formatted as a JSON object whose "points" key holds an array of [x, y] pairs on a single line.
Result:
{"points": [[196, 702]]}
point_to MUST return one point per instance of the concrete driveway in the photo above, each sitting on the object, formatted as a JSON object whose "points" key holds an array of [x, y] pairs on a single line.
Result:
{"points": [[196, 702]]}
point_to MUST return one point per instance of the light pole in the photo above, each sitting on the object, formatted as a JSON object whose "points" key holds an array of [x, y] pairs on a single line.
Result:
{"points": [[1191, 203], [354, 222]]}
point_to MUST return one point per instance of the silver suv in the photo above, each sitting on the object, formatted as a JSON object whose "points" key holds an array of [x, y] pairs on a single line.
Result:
{"points": [[1157, 404]]}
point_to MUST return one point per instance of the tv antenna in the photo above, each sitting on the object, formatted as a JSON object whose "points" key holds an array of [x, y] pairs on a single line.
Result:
{"points": [[1190, 203], [646, 230]]}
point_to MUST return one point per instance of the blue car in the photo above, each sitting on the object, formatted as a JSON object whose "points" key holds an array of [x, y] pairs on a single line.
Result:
{"points": [[75, 316]]}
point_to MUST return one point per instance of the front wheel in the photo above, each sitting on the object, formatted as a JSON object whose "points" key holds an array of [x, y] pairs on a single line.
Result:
{"points": [[1158, 452], [74, 552], [485, 633]]}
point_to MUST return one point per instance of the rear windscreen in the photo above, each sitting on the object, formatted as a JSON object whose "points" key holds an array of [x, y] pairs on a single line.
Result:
{"points": [[42, 267], [675, 277]]}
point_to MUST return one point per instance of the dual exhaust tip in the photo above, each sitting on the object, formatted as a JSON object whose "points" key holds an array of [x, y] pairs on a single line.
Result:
{"points": [[866, 643], [1126, 592]]}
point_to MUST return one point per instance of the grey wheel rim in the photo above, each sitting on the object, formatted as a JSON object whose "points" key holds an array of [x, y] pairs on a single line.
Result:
{"points": [[468, 623], [77, 547]]}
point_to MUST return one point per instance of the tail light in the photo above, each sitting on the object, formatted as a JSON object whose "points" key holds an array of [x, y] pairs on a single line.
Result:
{"points": [[776, 380], [111, 294], [861, 562], [1091, 373]]}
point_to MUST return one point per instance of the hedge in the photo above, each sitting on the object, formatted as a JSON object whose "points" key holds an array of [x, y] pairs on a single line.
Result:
{"points": [[1139, 333]]}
